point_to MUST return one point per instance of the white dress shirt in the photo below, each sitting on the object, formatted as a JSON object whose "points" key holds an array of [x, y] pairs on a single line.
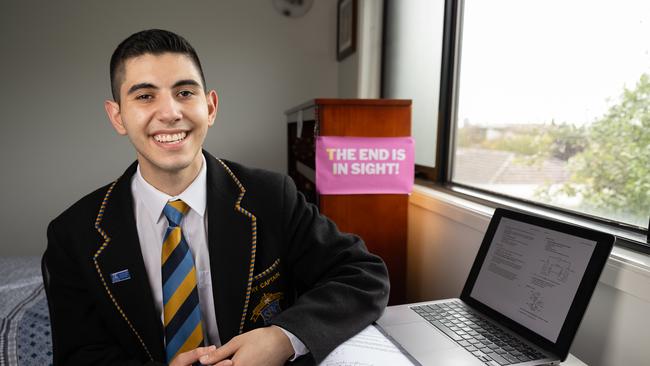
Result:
{"points": [[152, 224]]}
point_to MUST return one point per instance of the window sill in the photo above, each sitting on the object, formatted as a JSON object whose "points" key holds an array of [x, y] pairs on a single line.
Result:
{"points": [[626, 270]]}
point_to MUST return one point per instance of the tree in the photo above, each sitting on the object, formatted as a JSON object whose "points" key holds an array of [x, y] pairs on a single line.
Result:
{"points": [[613, 171]]}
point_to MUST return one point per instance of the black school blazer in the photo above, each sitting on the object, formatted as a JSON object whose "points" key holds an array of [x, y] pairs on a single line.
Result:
{"points": [[274, 260]]}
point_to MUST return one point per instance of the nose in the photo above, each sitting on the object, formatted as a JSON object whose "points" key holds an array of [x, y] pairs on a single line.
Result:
{"points": [[169, 110]]}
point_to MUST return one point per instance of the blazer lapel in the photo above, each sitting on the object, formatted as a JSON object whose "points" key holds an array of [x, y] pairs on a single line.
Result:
{"points": [[231, 241], [120, 253]]}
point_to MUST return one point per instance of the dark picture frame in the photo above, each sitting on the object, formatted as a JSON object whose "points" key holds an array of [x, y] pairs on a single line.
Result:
{"points": [[346, 28]]}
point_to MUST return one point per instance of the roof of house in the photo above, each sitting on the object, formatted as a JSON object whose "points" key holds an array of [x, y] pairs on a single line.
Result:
{"points": [[485, 166]]}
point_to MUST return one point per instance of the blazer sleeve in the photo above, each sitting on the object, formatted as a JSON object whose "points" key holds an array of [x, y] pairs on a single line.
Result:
{"points": [[342, 287], [79, 335]]}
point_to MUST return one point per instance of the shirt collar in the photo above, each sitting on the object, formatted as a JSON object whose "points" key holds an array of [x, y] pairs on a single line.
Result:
{"points": [[195, 195]]}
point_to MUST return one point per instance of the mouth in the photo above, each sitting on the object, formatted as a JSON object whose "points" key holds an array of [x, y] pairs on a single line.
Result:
{"points": [[170, 138]]}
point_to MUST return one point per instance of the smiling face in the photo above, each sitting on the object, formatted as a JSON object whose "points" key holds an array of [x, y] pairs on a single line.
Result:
{"points": [[166, 114]]}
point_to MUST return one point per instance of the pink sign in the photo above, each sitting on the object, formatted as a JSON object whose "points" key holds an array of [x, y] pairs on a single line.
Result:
{"points": [[364, 165]]}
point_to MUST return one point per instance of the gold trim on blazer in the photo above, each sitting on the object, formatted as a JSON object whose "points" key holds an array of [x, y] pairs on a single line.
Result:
{"points": [[107, 240], [267, 271], [253, 219]]}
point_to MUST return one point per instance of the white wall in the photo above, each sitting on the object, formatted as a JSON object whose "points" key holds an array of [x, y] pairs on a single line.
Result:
{"points": [[58, 144], [445, 233], [360, 73]]}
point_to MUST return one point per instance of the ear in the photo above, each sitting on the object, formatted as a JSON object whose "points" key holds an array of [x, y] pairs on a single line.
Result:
{"points": [[114, 115], [212, 100]]}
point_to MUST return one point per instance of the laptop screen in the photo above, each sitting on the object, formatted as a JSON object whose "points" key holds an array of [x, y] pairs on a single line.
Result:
{"points": [[531, 274]]}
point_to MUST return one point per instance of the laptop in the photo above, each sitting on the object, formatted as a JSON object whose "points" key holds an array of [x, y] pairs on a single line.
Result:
{"points": [[522, 303]]}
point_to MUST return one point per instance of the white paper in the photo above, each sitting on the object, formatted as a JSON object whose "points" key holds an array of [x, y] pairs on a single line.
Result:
{"points": [[368, 348]]}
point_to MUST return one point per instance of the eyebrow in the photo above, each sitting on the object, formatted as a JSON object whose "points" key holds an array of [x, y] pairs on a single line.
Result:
{"points": [[186, 82], [139, 86], [183, 82]]}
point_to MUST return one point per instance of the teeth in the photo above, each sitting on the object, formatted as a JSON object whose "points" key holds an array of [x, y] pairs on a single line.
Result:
{"points": [[170, 138]]}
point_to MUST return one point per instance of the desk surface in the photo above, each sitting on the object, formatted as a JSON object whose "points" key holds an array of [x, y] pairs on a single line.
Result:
{"points": [[573, 361], [370, 347]]}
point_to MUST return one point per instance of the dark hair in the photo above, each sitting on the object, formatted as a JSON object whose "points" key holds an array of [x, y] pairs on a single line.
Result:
{"points": [[153, 41]]}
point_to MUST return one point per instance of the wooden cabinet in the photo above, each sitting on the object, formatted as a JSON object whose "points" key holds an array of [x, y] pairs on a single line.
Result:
{"points": [[380, 219]]}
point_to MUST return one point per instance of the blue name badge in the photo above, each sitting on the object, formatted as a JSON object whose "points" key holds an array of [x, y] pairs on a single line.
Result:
{"points": [[120, 276]]}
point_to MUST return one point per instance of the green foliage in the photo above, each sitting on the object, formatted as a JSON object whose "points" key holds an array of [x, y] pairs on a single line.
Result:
{"points": [[557, 141], [523, 141], [470, 136], [534, 143], [613, 171], [565, 140]]}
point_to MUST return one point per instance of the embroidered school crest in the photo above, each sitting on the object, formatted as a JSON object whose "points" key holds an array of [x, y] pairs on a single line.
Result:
{"points": [[268, 307]]}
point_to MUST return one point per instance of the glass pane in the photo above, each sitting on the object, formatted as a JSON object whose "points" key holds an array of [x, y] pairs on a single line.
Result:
{"points": [[413, 50], [554, 104]]}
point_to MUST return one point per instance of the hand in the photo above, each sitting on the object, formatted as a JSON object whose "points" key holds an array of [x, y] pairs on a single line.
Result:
{"points": [[190, 357], [262, 346]]}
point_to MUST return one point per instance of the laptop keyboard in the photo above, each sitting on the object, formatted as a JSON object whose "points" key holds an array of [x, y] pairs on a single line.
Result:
{"points": [[487, 342]]}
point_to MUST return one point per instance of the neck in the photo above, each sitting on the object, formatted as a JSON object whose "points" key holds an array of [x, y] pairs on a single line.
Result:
{"points": [[171, 182]]}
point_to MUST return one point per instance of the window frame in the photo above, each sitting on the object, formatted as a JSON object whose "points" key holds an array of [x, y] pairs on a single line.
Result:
{"points": [[627, 236]]}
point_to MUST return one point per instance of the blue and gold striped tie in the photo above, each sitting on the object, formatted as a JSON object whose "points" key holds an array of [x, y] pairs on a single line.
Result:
{"points": [[182, 315]]}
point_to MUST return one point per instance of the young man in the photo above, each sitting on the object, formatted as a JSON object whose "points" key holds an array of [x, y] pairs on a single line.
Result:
{"points": [[189, 259]]}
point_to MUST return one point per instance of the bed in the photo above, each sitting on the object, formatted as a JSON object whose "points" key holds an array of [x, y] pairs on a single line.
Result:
{"points": [[25, 337]]}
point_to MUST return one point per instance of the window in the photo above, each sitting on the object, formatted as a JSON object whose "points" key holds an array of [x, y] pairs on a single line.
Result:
{"points": [[411, 63], [552, 104]]}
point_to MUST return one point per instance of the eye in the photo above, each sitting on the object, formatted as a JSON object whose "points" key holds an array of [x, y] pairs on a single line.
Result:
{"points": [[144, 97], [185, 93]]}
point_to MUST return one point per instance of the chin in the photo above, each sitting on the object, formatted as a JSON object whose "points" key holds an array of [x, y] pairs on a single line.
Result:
{"points": [[169, 163], [174, 166]]}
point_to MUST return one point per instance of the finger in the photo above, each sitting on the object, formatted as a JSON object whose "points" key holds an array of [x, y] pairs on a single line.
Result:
{"points": [[189, 357], [185, 358], [224, 363], [219, 354]]}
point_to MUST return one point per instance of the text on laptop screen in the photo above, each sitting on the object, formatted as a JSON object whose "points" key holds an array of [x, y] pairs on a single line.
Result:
{"points": [[531, 275]]}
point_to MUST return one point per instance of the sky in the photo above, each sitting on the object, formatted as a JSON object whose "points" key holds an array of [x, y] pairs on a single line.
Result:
{"points": [[566, 61]]}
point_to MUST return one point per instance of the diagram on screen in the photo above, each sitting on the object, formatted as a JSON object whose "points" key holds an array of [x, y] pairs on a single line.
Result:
{"points": [[556, 268], [535, 301]]}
